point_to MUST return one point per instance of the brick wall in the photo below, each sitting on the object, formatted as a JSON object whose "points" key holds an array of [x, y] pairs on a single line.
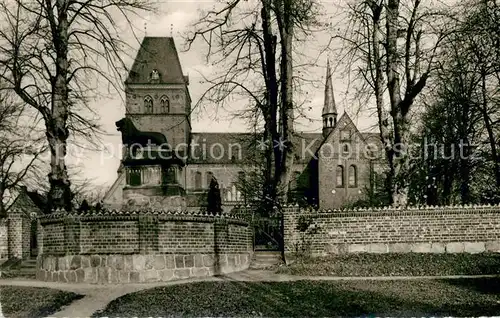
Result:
{"points": [[53, 238], [26, 237], [3, 239], [182, 237], [124, 247], [15, 234], [120, 236], [436, 229]]}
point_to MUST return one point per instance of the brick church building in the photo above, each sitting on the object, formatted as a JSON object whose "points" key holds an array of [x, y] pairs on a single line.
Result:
{"points": [[331, 168]]}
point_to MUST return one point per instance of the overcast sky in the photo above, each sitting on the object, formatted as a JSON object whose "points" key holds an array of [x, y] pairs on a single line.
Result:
{"points": [[175, 19]]}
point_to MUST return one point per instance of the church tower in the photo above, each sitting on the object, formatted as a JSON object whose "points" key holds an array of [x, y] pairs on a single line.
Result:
{"points": [[329, 113], [157, 94]]}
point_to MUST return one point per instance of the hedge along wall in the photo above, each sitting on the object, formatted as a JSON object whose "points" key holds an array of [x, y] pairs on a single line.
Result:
{"points": [[453, 229], [135, 247]]}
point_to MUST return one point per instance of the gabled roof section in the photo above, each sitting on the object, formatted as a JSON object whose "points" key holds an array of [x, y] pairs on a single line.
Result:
{"points": [[329, 106], [29, 201], [344, 121], [160, 54]]}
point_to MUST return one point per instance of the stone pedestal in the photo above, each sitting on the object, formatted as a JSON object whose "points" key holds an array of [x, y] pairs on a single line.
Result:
{"points": [[154, 186]]}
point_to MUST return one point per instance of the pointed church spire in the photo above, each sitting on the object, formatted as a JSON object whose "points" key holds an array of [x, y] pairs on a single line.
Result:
{"points": [[329, 106], [329, 109]]}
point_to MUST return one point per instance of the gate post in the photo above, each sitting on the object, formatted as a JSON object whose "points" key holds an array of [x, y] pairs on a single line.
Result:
{"points": [[15, 234]]}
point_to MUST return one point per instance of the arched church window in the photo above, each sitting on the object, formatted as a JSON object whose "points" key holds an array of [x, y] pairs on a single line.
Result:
{"points": [[353, 178], [345, 148], [197, 180], [340, 176], [234, 193], [331, 122], [209, 175], [169, 175], [165, 104], [148, 104]]}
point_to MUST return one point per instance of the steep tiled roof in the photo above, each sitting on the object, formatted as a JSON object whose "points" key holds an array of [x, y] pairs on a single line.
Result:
{"points": [[29, 201], [306, 145], [221, 147], [157, 53]]}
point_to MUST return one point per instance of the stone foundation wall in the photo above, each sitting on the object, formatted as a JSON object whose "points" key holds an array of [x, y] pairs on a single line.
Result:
{"points": [[140, 246], [136, 268], [454, 229]]}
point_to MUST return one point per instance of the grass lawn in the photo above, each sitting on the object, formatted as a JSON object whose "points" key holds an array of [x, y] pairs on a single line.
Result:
{"points": [[407, 264], [313, 299], [33, 302]]}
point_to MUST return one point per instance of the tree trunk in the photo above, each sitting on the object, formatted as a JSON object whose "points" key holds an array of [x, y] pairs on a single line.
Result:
{"points": [[400, 163], [268, 189], [378, 84], [489, 129], [286, 114], [464, 180], [448, 183], [285, 25], [57, 130], [3, 211], [272, 94]]}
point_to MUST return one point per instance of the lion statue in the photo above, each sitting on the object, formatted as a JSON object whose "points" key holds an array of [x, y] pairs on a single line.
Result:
{"points": [[131, 135]]}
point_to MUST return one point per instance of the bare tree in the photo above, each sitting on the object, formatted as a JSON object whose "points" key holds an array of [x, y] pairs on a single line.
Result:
{"points": [[464, 108], [53, 54], [254, 44], [391, 46], [480, 35], [19, 155], [85, 190]]}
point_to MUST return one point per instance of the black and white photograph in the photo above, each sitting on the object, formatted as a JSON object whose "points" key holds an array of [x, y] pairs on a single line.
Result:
{"points": [[249, 158]]}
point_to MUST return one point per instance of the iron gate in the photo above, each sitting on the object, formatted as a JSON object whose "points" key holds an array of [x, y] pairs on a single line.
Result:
{"points": [[267, 232]]}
